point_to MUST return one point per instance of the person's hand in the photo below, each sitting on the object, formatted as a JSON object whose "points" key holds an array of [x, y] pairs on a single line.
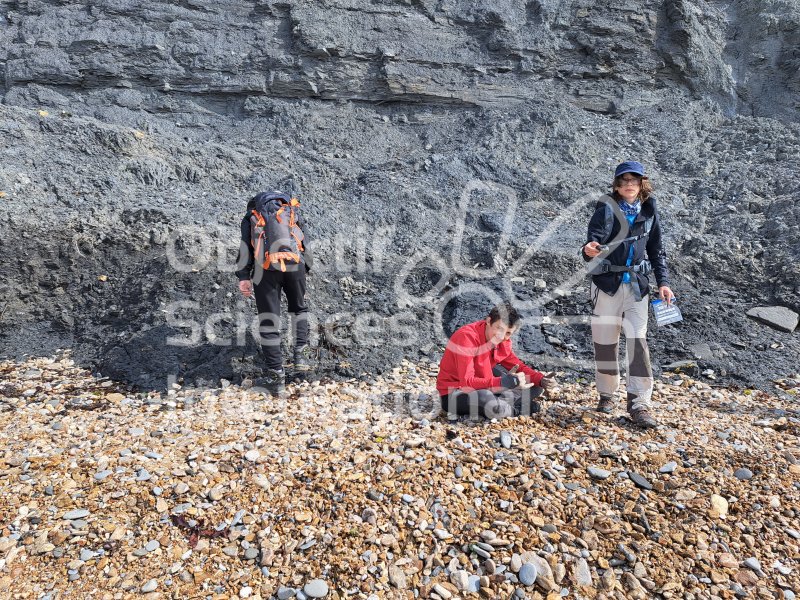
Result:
{"points": [[509, 381], [666, 294], [591, 249], [549, 383], [246, 287], [521, 379]]}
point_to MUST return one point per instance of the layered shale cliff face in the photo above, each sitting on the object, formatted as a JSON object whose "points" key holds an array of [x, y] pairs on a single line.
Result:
{"points": [[447, 155]]}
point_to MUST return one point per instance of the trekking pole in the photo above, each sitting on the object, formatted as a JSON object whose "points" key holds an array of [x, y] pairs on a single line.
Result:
{"points": [[606, 247]]}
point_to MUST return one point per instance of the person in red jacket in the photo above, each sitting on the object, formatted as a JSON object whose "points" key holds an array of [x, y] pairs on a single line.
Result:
{"points": [[480, 375]]}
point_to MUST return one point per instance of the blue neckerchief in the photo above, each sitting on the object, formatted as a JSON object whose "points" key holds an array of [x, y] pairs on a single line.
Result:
{"points": [[631, 211]]}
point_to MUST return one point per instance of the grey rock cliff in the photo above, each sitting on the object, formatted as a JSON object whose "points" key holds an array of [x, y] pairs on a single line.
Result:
{"points": [[134, 132]]}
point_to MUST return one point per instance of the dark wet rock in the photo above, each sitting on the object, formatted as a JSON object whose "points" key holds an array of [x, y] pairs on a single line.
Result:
{"points": [[640, 481]]}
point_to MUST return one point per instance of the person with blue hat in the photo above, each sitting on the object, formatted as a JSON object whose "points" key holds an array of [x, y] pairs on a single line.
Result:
{"points": [[624, 245]]}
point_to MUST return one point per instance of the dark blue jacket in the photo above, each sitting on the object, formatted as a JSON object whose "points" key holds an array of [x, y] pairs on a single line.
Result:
{"points": [[650, 248]]}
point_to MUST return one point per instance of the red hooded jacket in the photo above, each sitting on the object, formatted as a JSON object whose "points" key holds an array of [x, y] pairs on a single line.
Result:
{"points": [[468, 361]]}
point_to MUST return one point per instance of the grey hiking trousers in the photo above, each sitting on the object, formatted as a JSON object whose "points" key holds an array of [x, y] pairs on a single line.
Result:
{"points": [[611, 315]]}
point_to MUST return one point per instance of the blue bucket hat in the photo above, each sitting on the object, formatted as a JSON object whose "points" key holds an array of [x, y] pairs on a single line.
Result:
{"points": [[629, 166]]}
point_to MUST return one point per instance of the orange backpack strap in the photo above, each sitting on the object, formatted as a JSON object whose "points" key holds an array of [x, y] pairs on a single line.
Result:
{"points": [[293, 225], [282, 257], [260, 222]]}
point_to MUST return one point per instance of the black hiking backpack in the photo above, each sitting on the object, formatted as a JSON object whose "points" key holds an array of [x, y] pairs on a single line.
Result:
{"points": [[274, 234]]}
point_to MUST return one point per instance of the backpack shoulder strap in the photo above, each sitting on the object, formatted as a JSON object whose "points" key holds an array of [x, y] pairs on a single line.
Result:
{"points": [[608, 216], [609, 222], [648, 225]]}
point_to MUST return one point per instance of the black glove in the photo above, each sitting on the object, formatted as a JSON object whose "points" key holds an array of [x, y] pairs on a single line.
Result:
{"points": [[509, 381]]}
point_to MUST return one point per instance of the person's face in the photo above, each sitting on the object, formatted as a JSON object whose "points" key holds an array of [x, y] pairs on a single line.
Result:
{"points": [[498, 331], [628, 186]]}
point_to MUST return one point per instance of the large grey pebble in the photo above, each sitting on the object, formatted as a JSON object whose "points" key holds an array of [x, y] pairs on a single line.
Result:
{"points": [[150, 586], [505, 439], [87, 554], [640, 481], [316, 588], [460, 579], [743, 474], [583, 575], [599, 473], [527, 574], [781, 568], [284, 593], [669, 467], [752, 563], [78, 513]]}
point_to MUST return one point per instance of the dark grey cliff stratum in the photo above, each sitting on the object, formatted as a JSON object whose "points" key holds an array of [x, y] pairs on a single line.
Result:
{"points": [[126, 126]]}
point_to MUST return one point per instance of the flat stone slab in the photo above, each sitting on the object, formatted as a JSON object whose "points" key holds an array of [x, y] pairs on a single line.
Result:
{"points": [[778, 317]]}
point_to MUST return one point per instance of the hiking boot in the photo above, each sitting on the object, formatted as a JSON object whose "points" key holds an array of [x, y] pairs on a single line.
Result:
{"points": [[605, 404], [302, 358], [640, 416], [643, 418], [273, 381]]}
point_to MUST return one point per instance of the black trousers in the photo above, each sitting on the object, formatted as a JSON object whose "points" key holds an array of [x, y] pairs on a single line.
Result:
{"points": [[489, 405], [268, 287]]}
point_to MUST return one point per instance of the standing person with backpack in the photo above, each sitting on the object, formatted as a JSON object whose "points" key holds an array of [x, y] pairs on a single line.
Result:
{"points": [[624, 244], [274, 257]]}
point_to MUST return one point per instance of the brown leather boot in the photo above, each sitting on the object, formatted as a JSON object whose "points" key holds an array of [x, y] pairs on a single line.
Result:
{"points": [[605, 404], [640, 416]]}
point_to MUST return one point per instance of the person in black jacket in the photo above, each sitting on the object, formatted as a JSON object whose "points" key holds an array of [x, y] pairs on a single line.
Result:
{"points": [[266, 284], [624, 244]]}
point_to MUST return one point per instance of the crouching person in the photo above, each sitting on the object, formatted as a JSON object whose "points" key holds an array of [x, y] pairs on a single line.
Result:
{"points": [[480, 375]]}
